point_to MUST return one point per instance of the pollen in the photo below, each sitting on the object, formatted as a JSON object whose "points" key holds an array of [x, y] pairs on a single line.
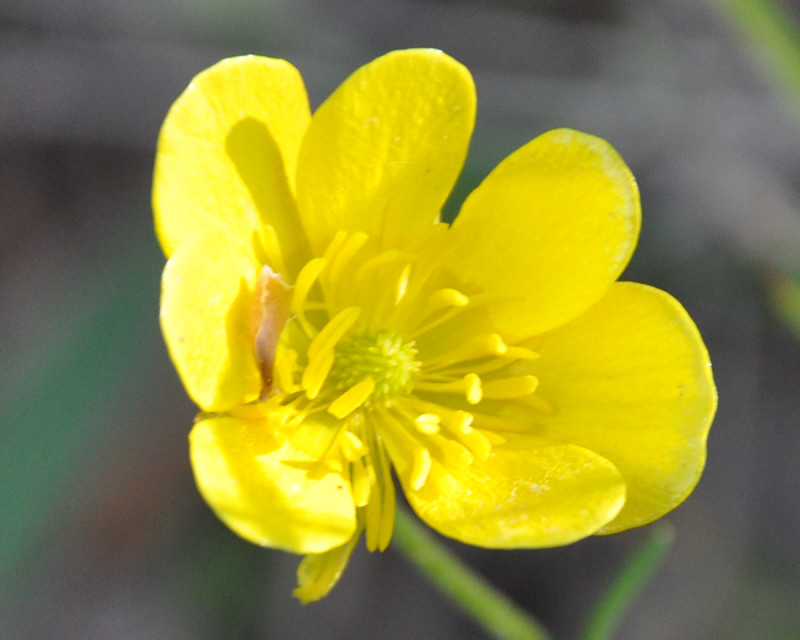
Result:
{"points": [[381, 356]]}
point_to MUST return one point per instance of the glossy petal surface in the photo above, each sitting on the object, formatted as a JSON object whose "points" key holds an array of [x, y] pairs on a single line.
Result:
{"points": [[266, 491], [631, 380], [336, 335], [534, 496], [547, 231], [226, 151], [384, 150], [206, 293]]}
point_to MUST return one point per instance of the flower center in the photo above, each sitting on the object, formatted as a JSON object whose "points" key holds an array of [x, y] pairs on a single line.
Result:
{"points": [[381, 356]]}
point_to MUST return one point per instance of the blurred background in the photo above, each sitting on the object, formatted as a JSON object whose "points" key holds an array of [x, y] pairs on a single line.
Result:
{"points": [[102, 532]]}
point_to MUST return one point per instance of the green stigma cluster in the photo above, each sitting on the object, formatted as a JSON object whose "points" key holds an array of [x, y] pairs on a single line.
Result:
{"points": [[382, 356]]}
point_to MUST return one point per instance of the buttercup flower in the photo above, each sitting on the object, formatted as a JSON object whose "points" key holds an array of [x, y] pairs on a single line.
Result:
{"points": [[331, 329]]}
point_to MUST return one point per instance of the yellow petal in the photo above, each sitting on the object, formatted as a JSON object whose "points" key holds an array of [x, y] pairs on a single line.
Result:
{"points": [[383, 152], [537, 496], [225, 151], [631, 380], [548, 231], [206, 301], [318, 573], [269, 493]]}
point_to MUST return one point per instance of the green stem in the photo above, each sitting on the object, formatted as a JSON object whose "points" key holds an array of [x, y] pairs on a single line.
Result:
{"points": [[490, 608], [635, 574], [774, 36]]}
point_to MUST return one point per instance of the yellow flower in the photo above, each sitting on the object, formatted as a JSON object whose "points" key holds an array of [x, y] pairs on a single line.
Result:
{"points": [[332, 329]]}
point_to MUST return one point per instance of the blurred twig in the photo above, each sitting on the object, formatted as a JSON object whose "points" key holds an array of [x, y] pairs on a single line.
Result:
{"points": [[633, 577], [493, 610], [774, 36]]}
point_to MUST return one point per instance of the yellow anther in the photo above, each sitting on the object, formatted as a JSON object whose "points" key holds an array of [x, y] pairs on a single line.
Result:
{"points": [[351, 446], [315, 374], [444, 298], [473, 387], [476, 442], [462, 420], [332, 332], [352, 399], [420, 469], [267, 247], [470, 385], [427, 423], [305, 280], [506, 388]]}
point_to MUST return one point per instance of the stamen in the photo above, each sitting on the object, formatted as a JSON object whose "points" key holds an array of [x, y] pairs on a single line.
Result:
{"points": [[444, 298], [476, 442], [454, 419], [332, 332], [352, 447], [450, 299], [267, 247], [352, 399], [349, 248], [512, 387], [458, 423], [427, 423], [315, 374], [490, 344], [305, 280], [474, 388], [420, 469], [470, 385]]}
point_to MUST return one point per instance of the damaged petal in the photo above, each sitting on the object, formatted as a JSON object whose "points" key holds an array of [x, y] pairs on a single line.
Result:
{"points": [[270, 312]]}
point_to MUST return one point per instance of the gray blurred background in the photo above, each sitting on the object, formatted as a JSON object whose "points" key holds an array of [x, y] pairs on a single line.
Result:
{"points": [[102, 532]]}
